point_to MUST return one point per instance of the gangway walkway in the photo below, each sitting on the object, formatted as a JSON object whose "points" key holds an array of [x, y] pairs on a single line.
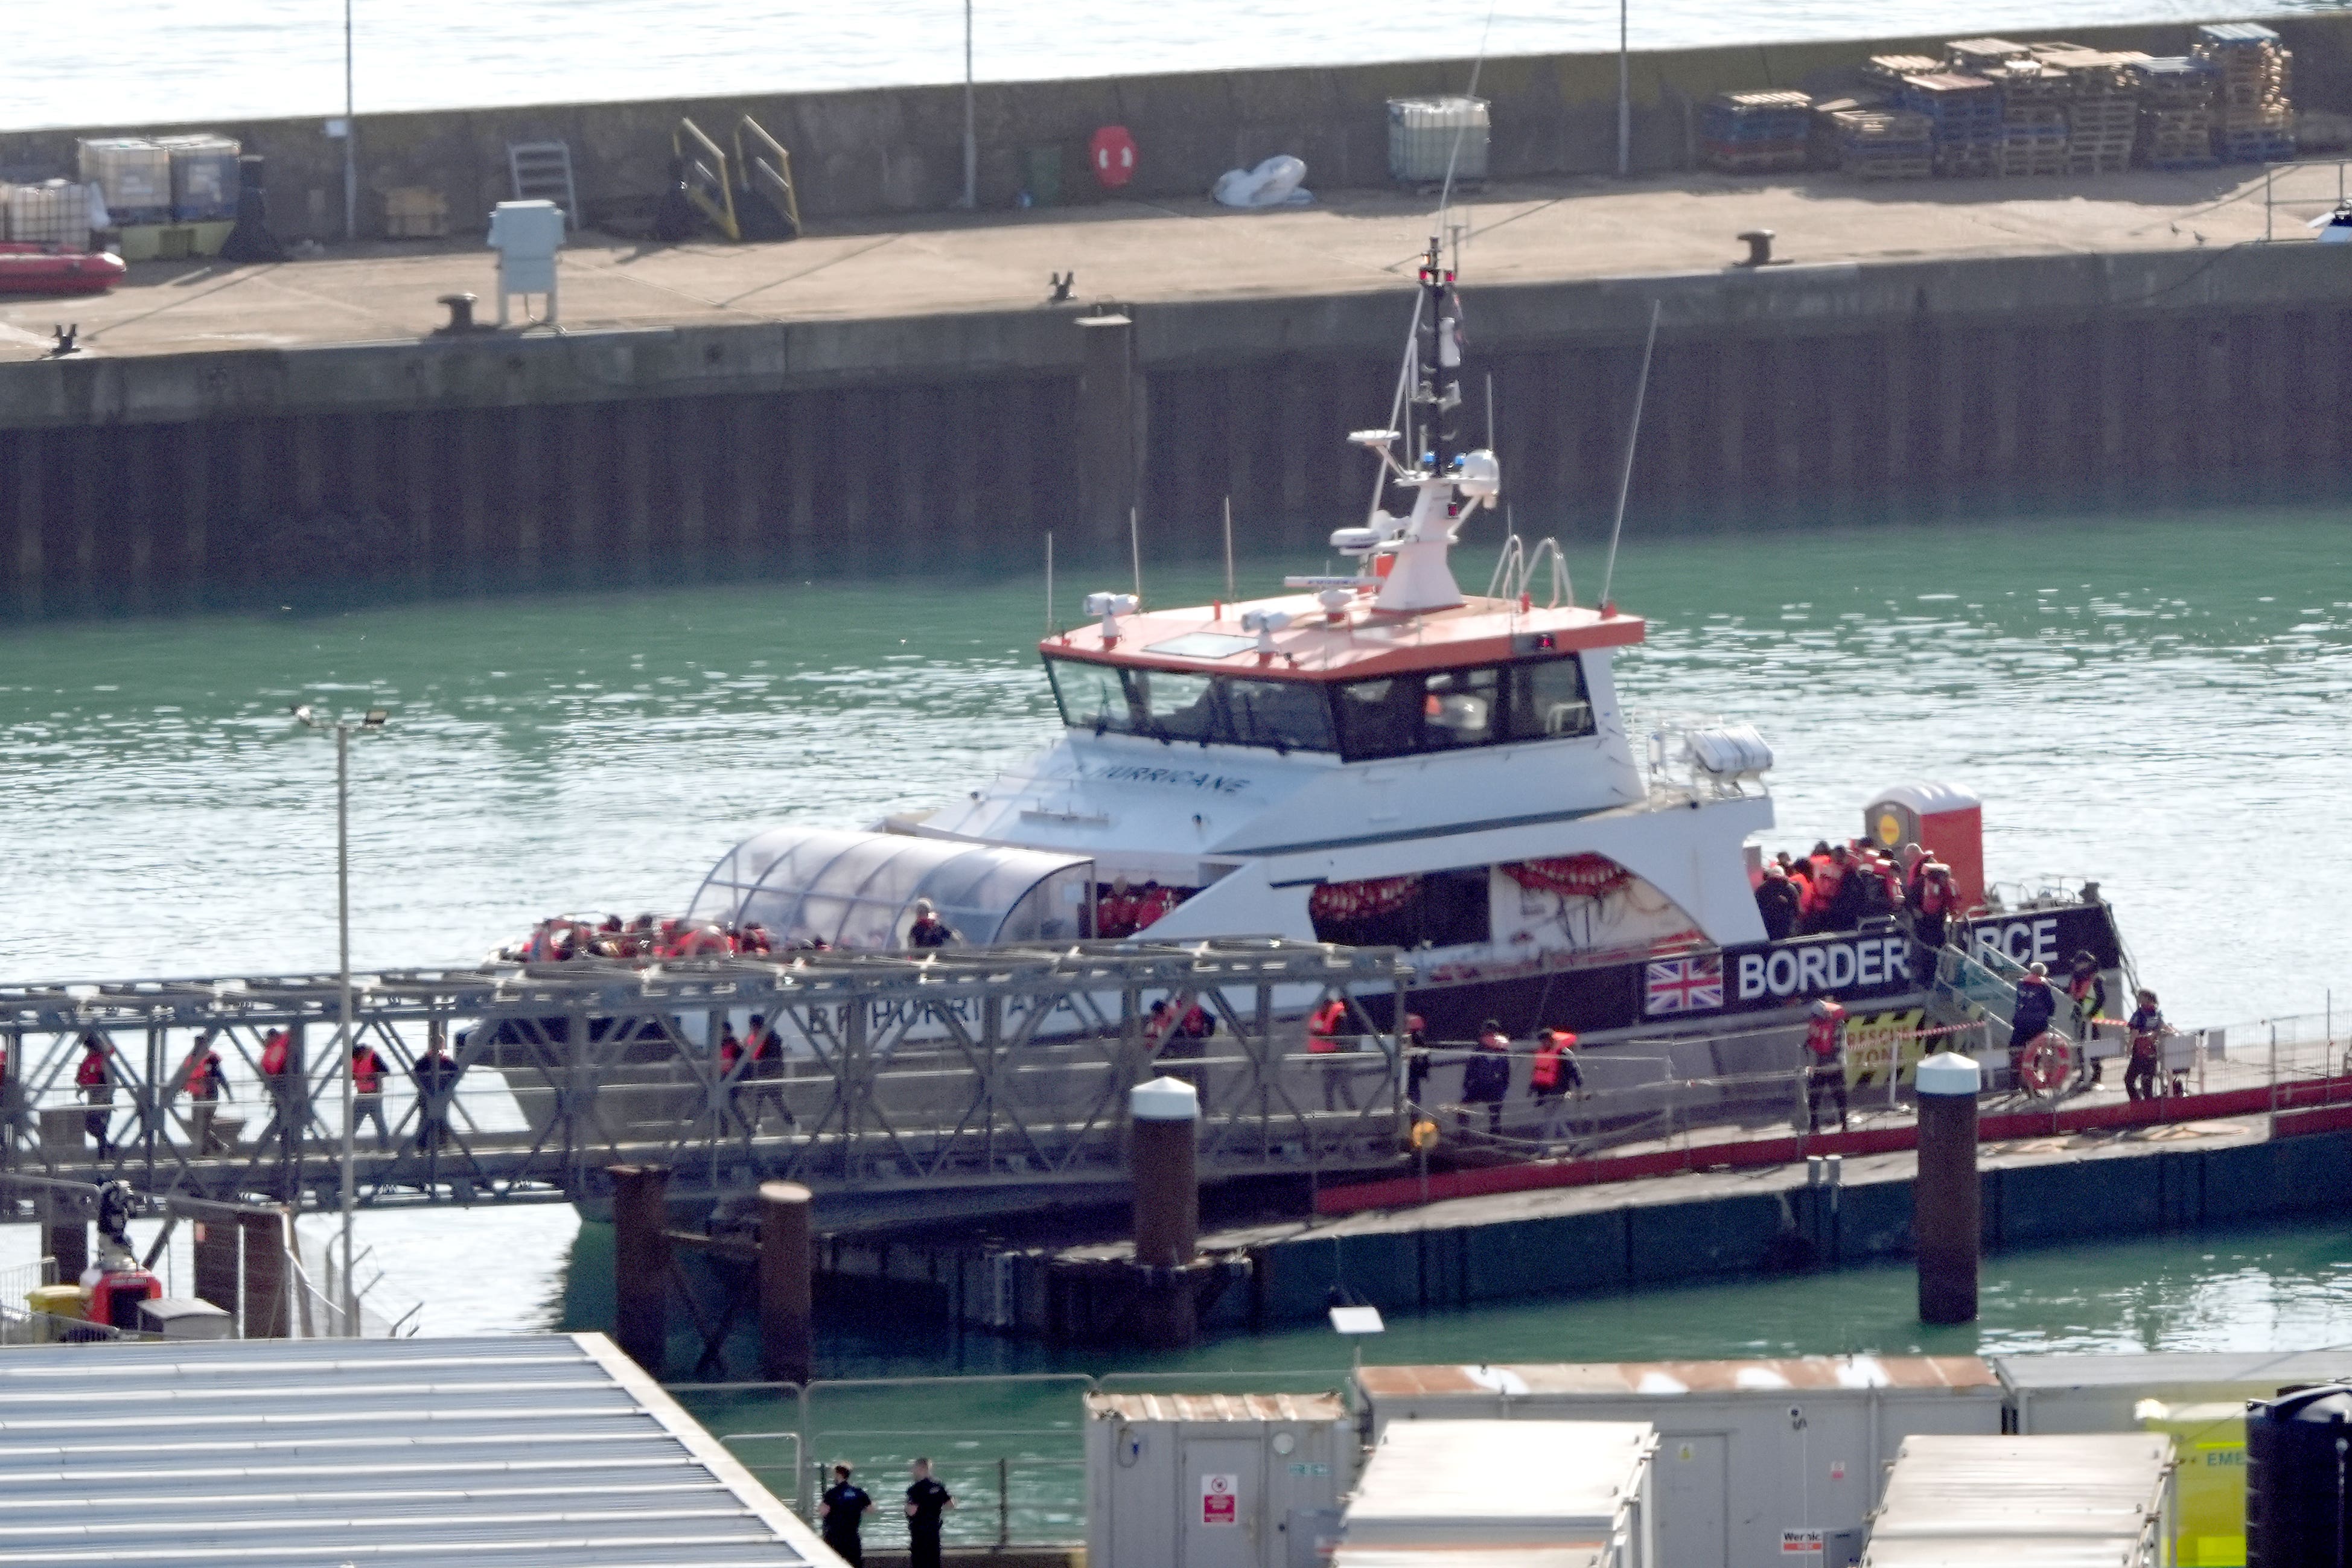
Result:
{"points": [[964, 1081]]}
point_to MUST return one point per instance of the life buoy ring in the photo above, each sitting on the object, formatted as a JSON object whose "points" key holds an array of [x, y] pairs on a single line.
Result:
{"points": [[2045, 1065], [1113, 154]]}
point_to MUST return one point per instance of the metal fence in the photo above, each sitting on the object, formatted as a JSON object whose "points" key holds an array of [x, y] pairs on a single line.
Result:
{"points": [[1011, 1448]]}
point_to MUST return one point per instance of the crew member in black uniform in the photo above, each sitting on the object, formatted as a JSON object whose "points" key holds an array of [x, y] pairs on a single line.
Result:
{"points": [[839, 1512], [927, 1500]]}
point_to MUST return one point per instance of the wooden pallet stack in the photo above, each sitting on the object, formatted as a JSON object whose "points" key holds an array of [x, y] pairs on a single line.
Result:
{"points": [[1755, 133], [2102, 106], [2255, 98], [1884, 144], [2176, 111], [2033, 98], [1983, 56], [1887, 71], [1965, 113]]}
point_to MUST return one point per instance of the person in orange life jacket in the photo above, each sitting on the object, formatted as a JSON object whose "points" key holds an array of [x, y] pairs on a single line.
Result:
{"points": [[1886, 897], [1777, 900], [1933, 901], [1486, 1075], [1908, 859], [1553, 1074], [1115, 913], [1819, 882], [2147, 1029], [207, 1087], [1162, 1023], [1847, 892], [1800, 877], [2088, 992], [928, 930], [97, 1086], [367, 1092], [284, 1083], [2037, 1005], [1825, 1062], [1326, 1037], [1196, 1024], [730, 1049]]}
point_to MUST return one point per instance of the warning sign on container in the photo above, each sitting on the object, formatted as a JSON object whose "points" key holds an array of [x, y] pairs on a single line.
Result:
{"points": [[1796, 1545], [1219, 1499]]}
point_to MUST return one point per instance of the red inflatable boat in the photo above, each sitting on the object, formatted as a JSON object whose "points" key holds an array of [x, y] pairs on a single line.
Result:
{"points": [[45, 269]]}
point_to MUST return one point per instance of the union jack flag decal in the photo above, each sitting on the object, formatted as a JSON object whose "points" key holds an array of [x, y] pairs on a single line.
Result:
{"points": [[1684, 986]]}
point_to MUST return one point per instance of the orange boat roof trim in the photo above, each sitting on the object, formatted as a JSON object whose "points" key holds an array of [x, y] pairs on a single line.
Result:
{"points": [[1358, 642]]}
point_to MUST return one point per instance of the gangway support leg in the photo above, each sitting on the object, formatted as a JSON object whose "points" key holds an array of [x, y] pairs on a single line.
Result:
{"points": [[216, 1263], [63, 1239], [269, 1313], [641, 1263], [787, 1339]]}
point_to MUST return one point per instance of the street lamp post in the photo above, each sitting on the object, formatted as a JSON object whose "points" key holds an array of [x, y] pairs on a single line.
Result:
{"points": [[1624, 94], [371, 720], [971, 137], [350, 137]]}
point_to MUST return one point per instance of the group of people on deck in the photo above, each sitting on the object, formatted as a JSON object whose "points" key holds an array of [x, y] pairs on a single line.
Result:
{"points": [[1837, 886]]}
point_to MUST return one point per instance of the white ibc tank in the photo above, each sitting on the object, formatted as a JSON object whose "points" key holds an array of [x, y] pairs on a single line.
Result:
{"points": [[1428, 136]]}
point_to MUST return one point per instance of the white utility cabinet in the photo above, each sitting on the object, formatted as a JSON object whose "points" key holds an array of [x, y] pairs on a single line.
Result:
{"points": [[1216, 1480], [525, 235]]}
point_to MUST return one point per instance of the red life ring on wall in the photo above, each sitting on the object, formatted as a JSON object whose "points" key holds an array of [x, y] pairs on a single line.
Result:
{"points": [[1113, 150], [2046, 1063]]}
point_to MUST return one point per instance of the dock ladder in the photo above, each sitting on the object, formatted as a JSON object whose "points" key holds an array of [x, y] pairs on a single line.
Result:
{"points": [[747, 196]]}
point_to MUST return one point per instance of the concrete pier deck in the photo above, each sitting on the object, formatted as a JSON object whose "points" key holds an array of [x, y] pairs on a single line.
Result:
{"points": [[1135, 252]]}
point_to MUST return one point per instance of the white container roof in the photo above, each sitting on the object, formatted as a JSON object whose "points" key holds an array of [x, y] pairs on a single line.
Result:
{"points": [[2049, 1374], [1537, 1482], [2079, 1487], [857, 890], [519, 1450]]}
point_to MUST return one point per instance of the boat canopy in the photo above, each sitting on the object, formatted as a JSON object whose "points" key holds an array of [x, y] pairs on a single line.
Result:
{"points": [[857, 890]]}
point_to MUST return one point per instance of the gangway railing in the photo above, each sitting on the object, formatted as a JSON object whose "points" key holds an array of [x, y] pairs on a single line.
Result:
{"points": [[764, 169], [987, 1077], [702, 169]]}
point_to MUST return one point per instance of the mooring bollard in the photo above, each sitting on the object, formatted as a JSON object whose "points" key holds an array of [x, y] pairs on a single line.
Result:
{"points": [[1945, 1214], [1167, 1114], [787, 1348], [641, 1263]]}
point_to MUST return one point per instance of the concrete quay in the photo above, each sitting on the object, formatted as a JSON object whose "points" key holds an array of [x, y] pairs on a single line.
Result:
{"points": [[228, 432]]}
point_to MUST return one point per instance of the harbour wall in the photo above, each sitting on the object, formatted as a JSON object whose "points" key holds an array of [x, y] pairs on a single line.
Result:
{"points": [[899, 150], [1780, 397]]}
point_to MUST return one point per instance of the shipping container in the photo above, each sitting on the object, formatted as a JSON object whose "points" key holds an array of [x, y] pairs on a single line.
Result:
{"points": [[1749, 1451], [2026, 1502], [2099, 1392], [1216, 1480], [1441, 1485]]}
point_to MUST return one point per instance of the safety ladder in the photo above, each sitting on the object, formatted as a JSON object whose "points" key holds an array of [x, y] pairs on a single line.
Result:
{"points": [[747, 196], [541, 172]]}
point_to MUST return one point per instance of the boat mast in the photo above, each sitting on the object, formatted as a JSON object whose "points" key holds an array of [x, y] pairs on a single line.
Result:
{"points": [[1437, 388]]}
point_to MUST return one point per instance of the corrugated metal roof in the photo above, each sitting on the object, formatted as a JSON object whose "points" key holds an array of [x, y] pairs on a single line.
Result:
{"points": [[1216, 1406], [1446, 1483], [523, 1449], [1468, 1557], [1615, 1380], [2063, 1493]]}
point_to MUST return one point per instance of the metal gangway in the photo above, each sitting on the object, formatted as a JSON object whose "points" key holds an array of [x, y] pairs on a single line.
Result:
{"points": [[959, 1081]]}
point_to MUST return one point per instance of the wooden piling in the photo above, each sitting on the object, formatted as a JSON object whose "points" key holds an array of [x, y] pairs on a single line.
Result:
{"points": [[787, 1337], [1106, 428], [269, 1304], [1946, 1218], [1162, 1161], [641, 1264], [216, 1247]]}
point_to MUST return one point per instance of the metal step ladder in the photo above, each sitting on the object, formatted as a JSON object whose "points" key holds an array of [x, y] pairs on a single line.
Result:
{"points": [[542, 172]]}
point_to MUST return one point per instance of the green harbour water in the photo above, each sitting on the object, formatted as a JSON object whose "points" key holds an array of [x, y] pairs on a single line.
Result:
{"points": [[2159, 701]]}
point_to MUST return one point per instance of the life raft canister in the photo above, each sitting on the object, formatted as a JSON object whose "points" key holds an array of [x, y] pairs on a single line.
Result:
{"points": [[2045, 1064], [1113, 154]]}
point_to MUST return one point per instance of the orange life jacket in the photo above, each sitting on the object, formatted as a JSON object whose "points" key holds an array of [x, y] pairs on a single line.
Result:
{"points": [[92, 1071], [1825, 1037], [277, 1050], [1323, 1028], [1936, 894], [1545, 1074], [367, 1072]]}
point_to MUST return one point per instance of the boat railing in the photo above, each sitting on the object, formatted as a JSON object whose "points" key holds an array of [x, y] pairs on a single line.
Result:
{"points": [[1516, 568]]}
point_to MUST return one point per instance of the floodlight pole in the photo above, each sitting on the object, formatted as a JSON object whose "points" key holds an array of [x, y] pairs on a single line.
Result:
{"points": [[1625, 95], [351, 1068], [970, 139], [350, 140]]}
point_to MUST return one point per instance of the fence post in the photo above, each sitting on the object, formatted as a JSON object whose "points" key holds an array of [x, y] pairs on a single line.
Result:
{"points": [[1003, 1503]]}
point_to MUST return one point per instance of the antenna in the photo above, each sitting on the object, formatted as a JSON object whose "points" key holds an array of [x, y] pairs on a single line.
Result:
{"points": [[1446, 192], [1229, 550], [1626, 477], [1135, 551], [1049, 582], [1490, 411]]}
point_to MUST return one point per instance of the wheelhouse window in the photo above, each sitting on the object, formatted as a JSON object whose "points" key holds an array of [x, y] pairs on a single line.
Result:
{"points": [[1092, 696], [1393, 716], [1405, 715]]}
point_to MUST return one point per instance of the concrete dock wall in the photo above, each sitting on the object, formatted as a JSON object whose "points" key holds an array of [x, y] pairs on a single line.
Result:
{"points": [[896, 150], [597, 458]]}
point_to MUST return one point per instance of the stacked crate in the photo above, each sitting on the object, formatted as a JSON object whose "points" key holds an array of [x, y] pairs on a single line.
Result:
{"points": [[1884, 144], [1755, 133], [1886, 71], [1983, 56], [2034, 99], [2176, 113], [1965, 115], [2253, 90], [2102, 107], [1822, 134]]}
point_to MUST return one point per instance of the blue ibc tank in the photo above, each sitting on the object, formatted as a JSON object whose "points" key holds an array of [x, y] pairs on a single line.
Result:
{"points": [[2299, 1478]]}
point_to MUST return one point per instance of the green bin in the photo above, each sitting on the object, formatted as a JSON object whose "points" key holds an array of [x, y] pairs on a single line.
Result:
{"points": [[1041, 175]]}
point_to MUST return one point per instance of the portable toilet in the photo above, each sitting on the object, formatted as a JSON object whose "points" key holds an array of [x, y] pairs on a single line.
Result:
{"points": [[1216, 1480], [1943, 819], [1526, 1486]]}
